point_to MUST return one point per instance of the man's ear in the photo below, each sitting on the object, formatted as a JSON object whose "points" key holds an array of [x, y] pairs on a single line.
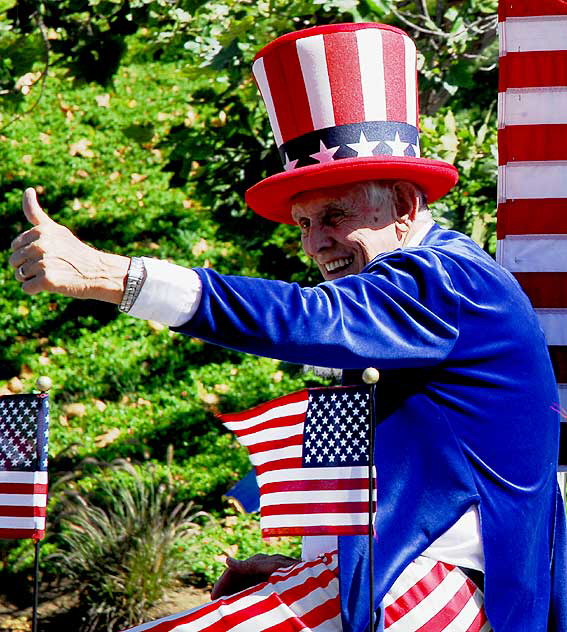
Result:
{"points": [[407, 201]]}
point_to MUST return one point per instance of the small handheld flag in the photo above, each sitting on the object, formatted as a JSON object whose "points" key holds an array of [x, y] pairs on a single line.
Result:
{"points": [[24, 433], [24, 423], [310, 452]]}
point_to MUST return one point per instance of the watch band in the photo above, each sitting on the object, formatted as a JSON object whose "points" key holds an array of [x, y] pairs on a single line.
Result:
{"points": [[134, 283]]}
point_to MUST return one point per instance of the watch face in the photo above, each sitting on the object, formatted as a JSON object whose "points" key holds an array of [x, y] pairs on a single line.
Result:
{"points": [[134, 283]]}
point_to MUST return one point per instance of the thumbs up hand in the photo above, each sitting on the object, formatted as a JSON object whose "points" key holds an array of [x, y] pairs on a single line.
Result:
{"points": [[32, 210], [48, 257]]}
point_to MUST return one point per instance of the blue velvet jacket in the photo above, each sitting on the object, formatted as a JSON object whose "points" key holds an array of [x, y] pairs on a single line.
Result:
{"points": [[464, 408]]}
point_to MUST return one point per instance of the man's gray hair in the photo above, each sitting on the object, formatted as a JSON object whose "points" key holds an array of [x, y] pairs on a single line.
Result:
{"points": [[380, 194]]}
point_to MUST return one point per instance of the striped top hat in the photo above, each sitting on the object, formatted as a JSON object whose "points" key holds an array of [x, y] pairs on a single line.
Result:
{"points": [[343, 106]]}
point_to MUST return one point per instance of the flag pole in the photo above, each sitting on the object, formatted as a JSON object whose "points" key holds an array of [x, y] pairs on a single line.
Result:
{"points": [[371, 376], [43, 384], [35, 587]]}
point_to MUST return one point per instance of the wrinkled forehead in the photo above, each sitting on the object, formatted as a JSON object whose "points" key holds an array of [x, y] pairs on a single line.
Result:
{"points": [[318, 201]]}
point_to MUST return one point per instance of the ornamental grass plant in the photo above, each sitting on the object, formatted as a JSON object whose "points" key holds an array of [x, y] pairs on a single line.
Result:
{"points": [[123, 546]]}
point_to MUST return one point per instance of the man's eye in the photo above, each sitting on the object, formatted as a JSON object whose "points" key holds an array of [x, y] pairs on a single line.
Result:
{"points": [[334, 217]]}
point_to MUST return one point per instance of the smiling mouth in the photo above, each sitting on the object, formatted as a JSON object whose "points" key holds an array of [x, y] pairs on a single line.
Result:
{"points": [[338, 265]]}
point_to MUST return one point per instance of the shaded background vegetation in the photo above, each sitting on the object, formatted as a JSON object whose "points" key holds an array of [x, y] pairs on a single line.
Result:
{"points": [[140, 126]]}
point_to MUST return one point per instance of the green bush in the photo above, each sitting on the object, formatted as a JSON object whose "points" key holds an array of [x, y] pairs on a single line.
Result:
{"points": [[236, 535], [121, 547]]}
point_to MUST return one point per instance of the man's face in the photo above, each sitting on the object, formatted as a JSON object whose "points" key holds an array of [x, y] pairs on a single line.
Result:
{"points": [[341, 232]]}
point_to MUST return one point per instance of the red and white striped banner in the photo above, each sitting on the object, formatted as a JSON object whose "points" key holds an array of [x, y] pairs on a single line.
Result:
{"points": [[532, 187], [429, 596]]}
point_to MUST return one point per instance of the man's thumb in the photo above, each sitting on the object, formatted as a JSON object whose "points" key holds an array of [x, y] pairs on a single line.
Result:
{"points": [[32, 210]]}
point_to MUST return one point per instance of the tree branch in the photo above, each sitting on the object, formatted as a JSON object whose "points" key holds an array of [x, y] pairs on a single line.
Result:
{"points": [[45, 72]]}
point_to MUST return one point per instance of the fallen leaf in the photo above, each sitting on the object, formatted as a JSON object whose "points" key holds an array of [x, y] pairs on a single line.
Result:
{"points": [[103, 100], [231, 550], [26, 372], [200, 247], [101, 441], [25, 82], [81, 148], [15, 385], [136, 178], [100, 405], [210, 398], [74, 410]]}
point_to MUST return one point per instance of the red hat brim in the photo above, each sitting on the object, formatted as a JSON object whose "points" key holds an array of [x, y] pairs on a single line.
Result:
{"points": [[271, 198]]}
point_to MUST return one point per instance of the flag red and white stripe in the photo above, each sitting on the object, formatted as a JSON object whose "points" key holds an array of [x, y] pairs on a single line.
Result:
{"points": [[432, 596], [429, 596], [310, 452], [23, 501], [301, 598], [532, 195]]}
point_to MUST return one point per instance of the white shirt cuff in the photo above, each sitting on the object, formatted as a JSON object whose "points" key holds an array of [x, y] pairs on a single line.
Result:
{"points": [[170, 295]]}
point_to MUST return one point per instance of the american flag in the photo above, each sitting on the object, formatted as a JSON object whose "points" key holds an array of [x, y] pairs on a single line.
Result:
{"points": [[310, 452], [532, 196], [428, 595], [24, 430]]}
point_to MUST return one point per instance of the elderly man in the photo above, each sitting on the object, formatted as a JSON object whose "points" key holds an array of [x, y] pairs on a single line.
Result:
{"points": [[469, 510]]}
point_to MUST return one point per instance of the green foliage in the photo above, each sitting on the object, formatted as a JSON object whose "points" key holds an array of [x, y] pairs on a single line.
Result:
{"points": [[121, 548], [237, 535], [457, 43], [469, 142]]}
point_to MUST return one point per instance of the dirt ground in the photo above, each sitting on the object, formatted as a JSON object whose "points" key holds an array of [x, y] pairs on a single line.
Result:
{"points": [[55, 612]]}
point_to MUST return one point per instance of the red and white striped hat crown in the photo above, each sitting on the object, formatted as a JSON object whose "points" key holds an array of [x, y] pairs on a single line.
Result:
{"points": [[343, 106]]}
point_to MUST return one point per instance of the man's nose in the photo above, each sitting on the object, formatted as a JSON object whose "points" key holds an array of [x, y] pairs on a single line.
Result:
{"points": [[316, 241]]}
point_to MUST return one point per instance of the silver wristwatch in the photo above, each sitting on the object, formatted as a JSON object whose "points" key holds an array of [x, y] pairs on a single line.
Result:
{"points": [[134, 283]]}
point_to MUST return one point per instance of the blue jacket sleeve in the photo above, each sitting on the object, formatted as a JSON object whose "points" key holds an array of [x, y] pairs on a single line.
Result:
{"points": [[401, 311]]}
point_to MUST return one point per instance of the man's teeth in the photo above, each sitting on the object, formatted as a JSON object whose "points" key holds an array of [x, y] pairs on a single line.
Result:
{"points": [[338, 263]]}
